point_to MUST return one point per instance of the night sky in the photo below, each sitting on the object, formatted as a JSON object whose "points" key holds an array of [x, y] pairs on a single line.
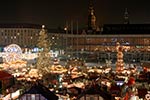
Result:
{"points": [[54, 13]]}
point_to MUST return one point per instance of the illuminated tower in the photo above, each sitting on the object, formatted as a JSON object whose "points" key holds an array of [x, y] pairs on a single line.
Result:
{"points": [[120, 62], [126, 17], [91, 17]]}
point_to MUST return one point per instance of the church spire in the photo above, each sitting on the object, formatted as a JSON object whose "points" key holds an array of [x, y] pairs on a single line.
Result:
{"points": [[91, 17], [126, 16]]}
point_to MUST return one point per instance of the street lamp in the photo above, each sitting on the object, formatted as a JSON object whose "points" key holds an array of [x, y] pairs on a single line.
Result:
{"points": [[66, 30]]}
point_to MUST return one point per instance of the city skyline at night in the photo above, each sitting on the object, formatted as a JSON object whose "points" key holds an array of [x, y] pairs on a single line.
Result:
{"points": [[75, 50]]}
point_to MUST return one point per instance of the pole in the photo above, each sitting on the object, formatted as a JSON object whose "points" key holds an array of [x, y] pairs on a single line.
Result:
{"points": [[77, 41], [71, 38]]}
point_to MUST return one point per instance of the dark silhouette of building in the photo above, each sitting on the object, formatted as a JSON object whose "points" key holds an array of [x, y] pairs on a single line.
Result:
{"points": [[126, 17], [38, 92], [95, 93]]}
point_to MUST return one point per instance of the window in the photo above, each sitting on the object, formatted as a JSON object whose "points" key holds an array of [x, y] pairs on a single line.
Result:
{"points": [[32, 97], [91, 98]]}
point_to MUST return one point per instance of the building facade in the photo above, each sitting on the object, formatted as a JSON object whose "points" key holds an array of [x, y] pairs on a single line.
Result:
{"points": [[96, 47], [25, 35], [103, 46]]}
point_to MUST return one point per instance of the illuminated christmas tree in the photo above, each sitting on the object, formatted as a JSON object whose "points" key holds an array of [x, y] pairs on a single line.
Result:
{"points": [[43, 60]]}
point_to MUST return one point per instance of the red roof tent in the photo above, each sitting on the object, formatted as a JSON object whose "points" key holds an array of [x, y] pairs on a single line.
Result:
{"points": [[4, 75]]}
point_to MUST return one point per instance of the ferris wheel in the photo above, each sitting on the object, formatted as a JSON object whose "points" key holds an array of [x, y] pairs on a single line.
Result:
{"points": [[13, 52]]}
